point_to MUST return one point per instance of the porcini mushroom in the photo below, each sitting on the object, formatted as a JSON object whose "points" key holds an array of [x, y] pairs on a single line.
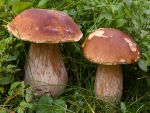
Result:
{"points": [[44, 67], [109, 47]]}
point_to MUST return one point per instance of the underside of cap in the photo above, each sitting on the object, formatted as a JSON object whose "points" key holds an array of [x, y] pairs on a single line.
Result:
{"points": [[44, 26], [110, 46]]}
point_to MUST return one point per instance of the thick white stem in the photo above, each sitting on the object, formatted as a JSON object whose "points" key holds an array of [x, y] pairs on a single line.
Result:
{"points": [[109, 83], [45, 70]]}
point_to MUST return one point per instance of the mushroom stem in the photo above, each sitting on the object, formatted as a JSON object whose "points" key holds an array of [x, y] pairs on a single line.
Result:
{"points": [[45, 70], [109, 83]]}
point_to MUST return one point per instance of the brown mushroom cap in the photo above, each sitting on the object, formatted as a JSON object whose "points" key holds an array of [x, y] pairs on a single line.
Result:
{"points": [[110, 47], [44, 26]]}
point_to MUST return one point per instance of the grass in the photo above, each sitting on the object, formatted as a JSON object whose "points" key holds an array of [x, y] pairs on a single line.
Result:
{"points": [[130, 16]]}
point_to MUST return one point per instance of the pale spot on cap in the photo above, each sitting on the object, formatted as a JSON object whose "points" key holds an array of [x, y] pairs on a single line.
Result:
{"points": [[98, 33], [97, 58], [122, 60], [53, 29], [101, 61], [131, 44], [83, 45], [68, 30], [36, 28], [138, 57]]}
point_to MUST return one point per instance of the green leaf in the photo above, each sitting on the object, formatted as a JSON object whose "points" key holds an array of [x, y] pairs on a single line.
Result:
{"points": [[114, 8], [106, 16], [42, 2], [87, 8], [23, 104], [28, 95], [14, 85], [2, 32], [61, 105], [147, 3], [118, 16], [16, 88], [1, 89], [128, 3], [14, 55], [148, 81], [22, 85], [3, 111], [123, 107], [128, 13], [72, 12], [60, 102], [147, 12], [45, 100], [143, 65], [121, 8], [10, 68], [19, 6], [44, 104], [5, 80], [20, 110], [120, 22], [1, 4]]}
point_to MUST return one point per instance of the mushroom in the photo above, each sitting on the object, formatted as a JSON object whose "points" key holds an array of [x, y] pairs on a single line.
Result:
{"points": [[109, 48], [44, 67]]}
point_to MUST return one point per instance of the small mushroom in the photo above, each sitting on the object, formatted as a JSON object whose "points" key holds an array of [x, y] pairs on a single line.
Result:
{"points": [[44, 67], [109, 47]]}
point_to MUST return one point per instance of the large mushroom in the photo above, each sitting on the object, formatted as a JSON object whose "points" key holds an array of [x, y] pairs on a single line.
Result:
{"points": [[109, 47], [44, 67]]}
